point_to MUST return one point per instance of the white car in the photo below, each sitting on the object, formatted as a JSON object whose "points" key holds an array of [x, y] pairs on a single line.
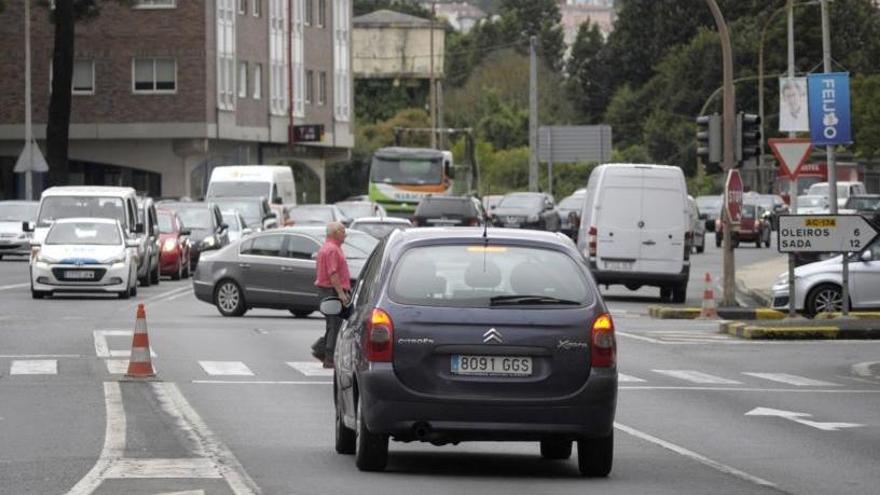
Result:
{"points": [[380, 227], [819, 285], [85, 255], [812, 205]]}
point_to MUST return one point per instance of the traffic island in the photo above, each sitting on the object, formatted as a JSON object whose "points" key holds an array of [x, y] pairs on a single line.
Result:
{"points": [[804, 330], [689, 313]]}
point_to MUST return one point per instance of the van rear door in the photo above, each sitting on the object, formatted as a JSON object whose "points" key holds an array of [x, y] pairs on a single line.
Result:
{"points": [[618, 213], [664, 217]]}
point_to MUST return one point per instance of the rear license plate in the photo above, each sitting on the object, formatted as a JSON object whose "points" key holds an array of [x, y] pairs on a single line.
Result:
{"points": [[491, 365], [618, 265], [79, 275]]}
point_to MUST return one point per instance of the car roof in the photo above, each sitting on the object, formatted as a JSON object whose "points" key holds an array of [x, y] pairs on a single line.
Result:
{"points": [[19, 202], [475, 234], [88, 191], [86, 219], [189, 204], [388, 220], [238, 198]]}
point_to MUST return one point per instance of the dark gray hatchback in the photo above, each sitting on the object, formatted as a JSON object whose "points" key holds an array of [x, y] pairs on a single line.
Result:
{"points": [[453, 336]]}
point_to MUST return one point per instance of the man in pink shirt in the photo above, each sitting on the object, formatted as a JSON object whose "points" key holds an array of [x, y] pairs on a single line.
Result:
{"points": [[333, 280]]}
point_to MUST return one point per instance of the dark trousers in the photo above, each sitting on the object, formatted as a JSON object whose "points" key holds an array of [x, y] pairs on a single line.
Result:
{"points": [[332, 323]]}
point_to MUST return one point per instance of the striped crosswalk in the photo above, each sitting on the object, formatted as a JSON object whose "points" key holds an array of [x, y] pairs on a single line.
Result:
{"points": [[697, 377], [226, 368], [34, 367]]}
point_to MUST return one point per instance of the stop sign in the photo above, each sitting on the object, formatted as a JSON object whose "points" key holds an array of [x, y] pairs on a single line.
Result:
{"points": [[733, 195]]}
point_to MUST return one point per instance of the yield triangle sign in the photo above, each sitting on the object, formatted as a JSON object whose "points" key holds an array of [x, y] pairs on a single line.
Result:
{"points": [[31, 159], [791, 153]]}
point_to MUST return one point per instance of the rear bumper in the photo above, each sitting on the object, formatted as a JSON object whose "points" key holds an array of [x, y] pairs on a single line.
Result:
{"points": [[15, 247], [391, 408], [169, 262], [608, 277], [204, 291]]}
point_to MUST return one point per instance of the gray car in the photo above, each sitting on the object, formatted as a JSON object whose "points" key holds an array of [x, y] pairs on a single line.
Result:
{"points": [[526, 210], [273, 269], [13, 238], [455, 336]]}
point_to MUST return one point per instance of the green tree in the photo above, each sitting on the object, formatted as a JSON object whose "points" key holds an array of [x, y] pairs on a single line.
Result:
{"points": [[522, 19], [504, 125], [866, 116], [587, 77]]}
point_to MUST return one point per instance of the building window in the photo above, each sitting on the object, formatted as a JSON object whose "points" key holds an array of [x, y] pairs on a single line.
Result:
{"points": [[155, 4], [258, 8], [298, 56], [226, 54], [322, 13], [242, 7], [83, 77], [154, 75], [342, 60], [322, 88], [310, 87], [308, 20], [258, 81], [242, 80], [278, 51]]}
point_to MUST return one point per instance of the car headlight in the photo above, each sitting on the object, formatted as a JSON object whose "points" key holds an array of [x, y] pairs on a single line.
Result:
{"points": [[119, 258], [170, 245], [533, 218], [209, 241], [42, 258]]}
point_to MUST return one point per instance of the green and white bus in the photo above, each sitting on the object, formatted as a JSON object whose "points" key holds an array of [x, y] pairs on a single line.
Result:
{"points": [[401, 177]]}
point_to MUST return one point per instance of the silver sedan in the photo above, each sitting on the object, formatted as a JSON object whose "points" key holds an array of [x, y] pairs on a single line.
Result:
{"points": [[273, 269]]}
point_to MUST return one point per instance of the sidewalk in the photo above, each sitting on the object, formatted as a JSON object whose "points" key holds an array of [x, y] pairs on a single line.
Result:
{"points": [[756, 280]]}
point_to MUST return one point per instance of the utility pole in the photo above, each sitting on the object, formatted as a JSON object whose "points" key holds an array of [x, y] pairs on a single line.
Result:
{"points": [[728, 119], [432, 95], [792, 184], [28, 125], [830, 157], [533, 114]]}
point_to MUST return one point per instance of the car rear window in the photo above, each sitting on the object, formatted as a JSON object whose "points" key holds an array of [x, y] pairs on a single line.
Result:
{"points": [[445, 206], [478, 276]]}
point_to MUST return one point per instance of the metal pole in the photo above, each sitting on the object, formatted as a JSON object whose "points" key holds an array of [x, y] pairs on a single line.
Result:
{"points": [[28, 125], [550, 163], [432, 94], [845, 294], [729, 296], [533, 115], [792, 313], [830, 157]]}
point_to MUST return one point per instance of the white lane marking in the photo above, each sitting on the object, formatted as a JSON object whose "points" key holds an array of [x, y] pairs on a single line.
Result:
{"points": [[39, 356], [694, 456], [170, 293], [232, 471], [697, 377], [864, 369], [640, 337], [798, 381], [310, 368], [188, 492], [189, 468], [259, 382], [798, 417], [102, 349], [34, 367], [117, 366], [114, 442], [14, 286], [229, 368], [753, 389], [627, 378]]}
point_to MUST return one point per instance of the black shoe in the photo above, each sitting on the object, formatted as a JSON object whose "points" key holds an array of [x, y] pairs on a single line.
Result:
{"points": [[318, 349]]}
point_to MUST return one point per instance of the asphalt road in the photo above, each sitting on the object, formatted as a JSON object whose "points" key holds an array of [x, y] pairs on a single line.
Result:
{"points": [[240, 407]]}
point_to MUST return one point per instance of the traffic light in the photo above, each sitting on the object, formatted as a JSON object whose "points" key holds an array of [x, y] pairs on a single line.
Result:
{"points": [[709, 138], [748, 137]]}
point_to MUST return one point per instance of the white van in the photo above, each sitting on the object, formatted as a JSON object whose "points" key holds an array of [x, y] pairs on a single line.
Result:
{"points": [[844, 191], [635, 226], [119, 203], [275, 183]]}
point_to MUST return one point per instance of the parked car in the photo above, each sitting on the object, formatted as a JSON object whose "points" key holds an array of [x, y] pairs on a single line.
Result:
{"points": [[490, 202], [711, 206], [380, 227], [812, 205], [148, 263], [205, 222], [361, 209], [773, 206], [454, 337], [237, 225], [176, 245], [753, 227], [866, 205], [13, 238], [526, 210], [819, 284], [273, 269], [448, 211], [316, 215], [570, 214], [698, 226], [844, 191], [256, 211], [85, 255], [634, 228]]}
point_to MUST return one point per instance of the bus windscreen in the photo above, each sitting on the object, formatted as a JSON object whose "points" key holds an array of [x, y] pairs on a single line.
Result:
{"points": [[406, 171]]}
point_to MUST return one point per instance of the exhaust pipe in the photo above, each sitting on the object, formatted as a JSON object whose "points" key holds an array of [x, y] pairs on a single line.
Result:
{"points": [[422, 431]]}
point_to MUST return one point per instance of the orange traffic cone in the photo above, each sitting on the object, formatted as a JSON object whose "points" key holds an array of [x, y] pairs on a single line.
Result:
{"points": [[709, 310], [140, 364]]}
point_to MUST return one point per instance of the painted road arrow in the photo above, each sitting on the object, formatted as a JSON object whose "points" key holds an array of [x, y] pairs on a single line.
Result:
{"points": [[824, 233], [797, 417]]}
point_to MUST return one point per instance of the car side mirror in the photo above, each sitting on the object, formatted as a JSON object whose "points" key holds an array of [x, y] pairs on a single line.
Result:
{"points": [[450, 172], [331, 306], [132, 243], [246, 231], [138, 228], [867, 256], [185, 232], [27, 226], [493, 207], [223, 227], [704, 216]]}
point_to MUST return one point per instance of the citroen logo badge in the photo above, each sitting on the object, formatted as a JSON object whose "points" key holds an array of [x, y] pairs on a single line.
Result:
{"points": [[492, 336]]}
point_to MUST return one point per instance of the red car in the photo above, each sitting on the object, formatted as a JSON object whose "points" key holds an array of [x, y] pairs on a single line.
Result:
{"points": [[752, 228], [174, 257]]}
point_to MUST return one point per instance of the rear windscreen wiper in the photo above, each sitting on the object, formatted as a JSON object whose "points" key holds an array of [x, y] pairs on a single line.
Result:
{"points": [[513, 300]]}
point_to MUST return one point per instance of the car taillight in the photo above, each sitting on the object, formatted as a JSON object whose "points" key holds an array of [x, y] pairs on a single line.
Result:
{"points": [[603, 351], [473, 222], [591, 240], [415, 221], [379, 338]]}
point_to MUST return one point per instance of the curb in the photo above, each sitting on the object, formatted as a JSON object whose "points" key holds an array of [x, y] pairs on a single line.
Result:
{"points": [[858, 315], [668, 313], [762, 297], [804, 332]]}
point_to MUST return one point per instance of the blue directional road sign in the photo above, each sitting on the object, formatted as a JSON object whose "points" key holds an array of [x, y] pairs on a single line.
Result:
{"points": [[829, 108]]}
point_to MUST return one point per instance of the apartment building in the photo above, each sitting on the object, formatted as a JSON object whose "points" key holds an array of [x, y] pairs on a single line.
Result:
{"points": [[165, 90]]}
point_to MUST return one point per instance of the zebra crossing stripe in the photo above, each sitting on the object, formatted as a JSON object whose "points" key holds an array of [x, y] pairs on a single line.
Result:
{"points": [[34, 367], [621, 378], [226, 368], [795, 380], [697, 377], [310, 368]]}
